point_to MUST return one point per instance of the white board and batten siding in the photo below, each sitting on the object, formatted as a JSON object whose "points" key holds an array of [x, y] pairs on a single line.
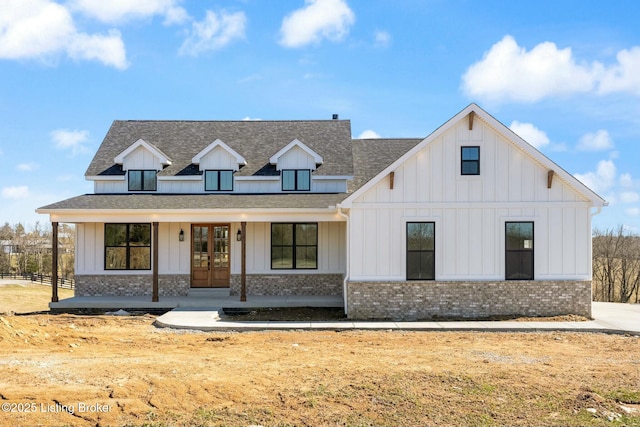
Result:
{"points": [[470, 212], [141, 158], [296, 158], [219, 159], [174, 255]]}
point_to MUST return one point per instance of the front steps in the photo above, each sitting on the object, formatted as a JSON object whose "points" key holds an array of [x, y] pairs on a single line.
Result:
{"points": [[209, 292]]}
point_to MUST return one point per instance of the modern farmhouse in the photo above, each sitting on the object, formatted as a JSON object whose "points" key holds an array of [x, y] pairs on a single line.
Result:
{"points": [[471, 221]]}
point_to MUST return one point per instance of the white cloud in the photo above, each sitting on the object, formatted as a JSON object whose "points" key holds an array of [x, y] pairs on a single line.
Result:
{"points": [[602, 179], [369, 134], [382, 38], [629, 197], [21, 192], [632, 211], [42, 29], [625, 75], [70, 139], [508, 72], [27, 167], [117, 11], [317, 20], [107, 49], [250, 119], [598, 141], [626, 181], [530, 133], [214, 32]]}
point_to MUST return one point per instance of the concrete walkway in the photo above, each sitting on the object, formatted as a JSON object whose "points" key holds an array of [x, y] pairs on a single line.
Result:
{"points": [[608, 317]]}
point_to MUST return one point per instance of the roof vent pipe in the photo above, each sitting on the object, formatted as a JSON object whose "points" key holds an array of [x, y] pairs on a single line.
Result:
{"points": [[335, 117]]}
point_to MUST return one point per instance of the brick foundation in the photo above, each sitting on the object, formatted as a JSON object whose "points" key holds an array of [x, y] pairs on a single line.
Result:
{"points": [[289, 284], [426, 300], [131, 285]]}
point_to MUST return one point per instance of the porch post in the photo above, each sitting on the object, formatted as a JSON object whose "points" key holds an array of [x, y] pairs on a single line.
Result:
{"points": [[154, 250], [243, 267], [54, 262]]}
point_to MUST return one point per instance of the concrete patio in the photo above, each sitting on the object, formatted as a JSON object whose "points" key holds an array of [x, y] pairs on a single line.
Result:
{"points": [[607, 318]]}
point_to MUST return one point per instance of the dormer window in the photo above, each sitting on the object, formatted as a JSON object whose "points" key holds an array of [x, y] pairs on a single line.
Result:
{"points": [[218, 180], [142, 180], [296, 180]]}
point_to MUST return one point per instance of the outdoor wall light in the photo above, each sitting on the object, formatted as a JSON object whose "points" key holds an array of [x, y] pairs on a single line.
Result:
{"points": [[181, 235], [239, 235]]}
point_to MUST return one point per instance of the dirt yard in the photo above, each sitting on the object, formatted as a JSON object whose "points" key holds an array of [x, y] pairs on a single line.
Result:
{"points": [[69, 370]]}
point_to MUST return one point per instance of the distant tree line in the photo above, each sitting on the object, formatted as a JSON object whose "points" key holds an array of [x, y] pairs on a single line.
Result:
{"points": [[27, 251], [616, 265]]}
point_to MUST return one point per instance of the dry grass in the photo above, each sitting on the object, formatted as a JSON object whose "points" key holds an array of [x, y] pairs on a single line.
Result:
{"points": [[157, 377], [27, 297]]}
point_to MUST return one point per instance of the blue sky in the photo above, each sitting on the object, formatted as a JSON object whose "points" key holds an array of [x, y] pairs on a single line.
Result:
{"points": [[565, 75]]}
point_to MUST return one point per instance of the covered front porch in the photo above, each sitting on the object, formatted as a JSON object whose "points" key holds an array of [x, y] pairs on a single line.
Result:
{"points": [[219, 298], [161, 259]]}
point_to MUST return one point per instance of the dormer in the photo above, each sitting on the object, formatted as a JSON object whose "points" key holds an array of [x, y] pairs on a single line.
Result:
{"points": [[141, 161], [296, 162], [218, 156], [142, 155], [296, 155]]}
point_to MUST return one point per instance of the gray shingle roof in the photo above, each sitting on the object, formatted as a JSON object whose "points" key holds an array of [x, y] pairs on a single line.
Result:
{"points": [[256, 141], [362, 158], [371, 156], [197, 201]]}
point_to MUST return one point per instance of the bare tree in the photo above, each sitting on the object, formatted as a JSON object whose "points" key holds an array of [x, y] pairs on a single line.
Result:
{"points": [[616, 265]]}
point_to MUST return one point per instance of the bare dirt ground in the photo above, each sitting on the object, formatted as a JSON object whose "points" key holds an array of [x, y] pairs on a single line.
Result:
{"points": [[70, 370]]}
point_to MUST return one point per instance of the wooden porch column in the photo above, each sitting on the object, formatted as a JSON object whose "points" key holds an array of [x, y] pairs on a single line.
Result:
{"points": [[154, 250], [54, 263], [243, 267]]}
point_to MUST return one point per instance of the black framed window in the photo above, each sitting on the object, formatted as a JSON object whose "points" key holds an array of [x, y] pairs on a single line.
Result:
{"points": [[421, 251], [142, 180], [296, 180], [519, 250], [470, 164], [218, 180], [127, 246], [294, 246]]}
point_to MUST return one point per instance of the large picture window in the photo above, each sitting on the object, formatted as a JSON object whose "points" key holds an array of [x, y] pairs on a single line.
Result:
{"points": [[294, 246], [218, 180], [296, 180], [519, 250], [142, 180], [127, 246], [421, 251]]}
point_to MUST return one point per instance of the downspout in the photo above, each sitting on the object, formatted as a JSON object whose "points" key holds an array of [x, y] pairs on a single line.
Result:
{"points": [[346, 275]]}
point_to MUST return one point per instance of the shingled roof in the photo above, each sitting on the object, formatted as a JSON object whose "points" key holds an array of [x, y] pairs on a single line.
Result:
{"points": [[256, 141]]}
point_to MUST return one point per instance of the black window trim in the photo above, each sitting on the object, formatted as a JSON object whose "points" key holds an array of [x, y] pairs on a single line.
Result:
{"points": [[296, 184], [142, 178], [532, 250], [462, 161], [407, 249], [127, 246], [218, 173], [293, 246]]}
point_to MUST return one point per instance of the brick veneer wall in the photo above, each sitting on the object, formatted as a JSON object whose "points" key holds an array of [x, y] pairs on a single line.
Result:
{"points": [[426, 300], [289, 284], [131, 285]]}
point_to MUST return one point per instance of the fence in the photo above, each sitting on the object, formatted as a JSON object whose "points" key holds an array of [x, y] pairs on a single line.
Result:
{"points": [[39, 278]]}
